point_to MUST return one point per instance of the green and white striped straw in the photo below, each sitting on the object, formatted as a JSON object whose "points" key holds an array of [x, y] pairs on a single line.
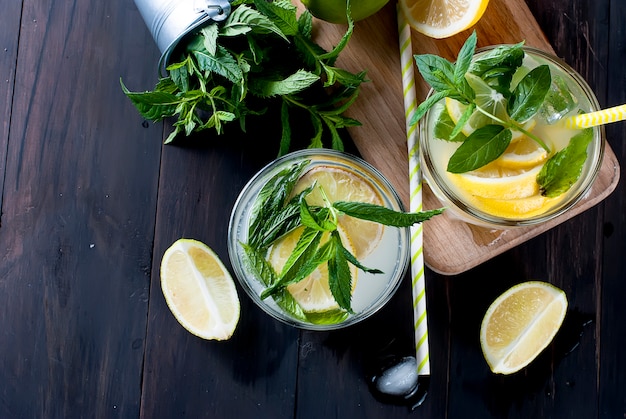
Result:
{"points": [[415, 204]]}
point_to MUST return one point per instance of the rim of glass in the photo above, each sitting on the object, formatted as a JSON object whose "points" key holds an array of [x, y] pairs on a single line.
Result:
{"points": [[237, 230], [575, 194]]}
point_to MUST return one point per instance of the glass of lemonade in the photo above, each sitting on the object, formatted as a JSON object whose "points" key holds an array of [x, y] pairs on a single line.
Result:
{"points": [[505, 193], [342, 177]]}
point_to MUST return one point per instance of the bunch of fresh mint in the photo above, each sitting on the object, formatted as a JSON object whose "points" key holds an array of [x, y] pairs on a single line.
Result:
{"points": [[262, 56], [535, 92]]}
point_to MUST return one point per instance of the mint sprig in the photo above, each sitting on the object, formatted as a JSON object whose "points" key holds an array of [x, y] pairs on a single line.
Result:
{"points": [[496, 69], [273, 212], [261, 56]]}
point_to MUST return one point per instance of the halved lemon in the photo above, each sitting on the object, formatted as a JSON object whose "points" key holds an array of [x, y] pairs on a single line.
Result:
{"points": [[343, 185], [443, 18], [199, 290], [520, 324], [313, 292]]}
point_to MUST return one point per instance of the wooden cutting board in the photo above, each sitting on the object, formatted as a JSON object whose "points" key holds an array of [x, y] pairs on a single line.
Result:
{"points": [[450, 246]]}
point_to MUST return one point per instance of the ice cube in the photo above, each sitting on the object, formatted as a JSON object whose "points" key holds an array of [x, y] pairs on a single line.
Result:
{"points": [[559, 101], [400, 379]]}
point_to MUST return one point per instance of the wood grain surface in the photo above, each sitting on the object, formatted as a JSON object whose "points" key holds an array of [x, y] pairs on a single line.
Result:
{"points": [[91, 199]]}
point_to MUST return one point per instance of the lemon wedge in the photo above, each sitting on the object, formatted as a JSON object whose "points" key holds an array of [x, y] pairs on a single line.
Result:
{"points": [[520, 324], [443, 18], [199, 290]]}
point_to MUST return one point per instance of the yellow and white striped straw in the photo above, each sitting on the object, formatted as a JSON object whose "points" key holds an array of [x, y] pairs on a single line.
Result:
{"points": [[593, 119], [415, 204]]}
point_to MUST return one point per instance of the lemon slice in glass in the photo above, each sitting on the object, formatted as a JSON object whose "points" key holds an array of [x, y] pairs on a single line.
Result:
{"points": [[494, 181], [523, 154]]}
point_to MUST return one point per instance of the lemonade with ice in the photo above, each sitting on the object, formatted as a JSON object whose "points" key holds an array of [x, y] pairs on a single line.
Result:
{"points": [[501, 154]]}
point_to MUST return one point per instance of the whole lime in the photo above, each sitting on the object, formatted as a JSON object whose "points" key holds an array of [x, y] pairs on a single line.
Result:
{"points": [[334, 11]]}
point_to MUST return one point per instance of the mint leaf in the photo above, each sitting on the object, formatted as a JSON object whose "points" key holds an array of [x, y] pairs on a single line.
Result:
{"points": [[563, 169], [444, 127], [244, 19], [427, 104], [339, 275], [269, 205], [383, 215], [353, 260], [483, 146], [305, 24], [529, 94], [281, 12], [294, 83], [209, 35], [437, 71], [497, 66], [222, 63], [464, 58], [152, 105]]}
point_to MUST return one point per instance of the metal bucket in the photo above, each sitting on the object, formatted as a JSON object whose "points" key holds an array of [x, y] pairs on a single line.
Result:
{"points": [[170, 20]]}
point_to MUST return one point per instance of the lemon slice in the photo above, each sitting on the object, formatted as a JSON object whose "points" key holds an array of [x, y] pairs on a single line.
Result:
{"points": [[494, 181], [443, 18], [313, 292], [515, 208], [342, 185], [199, 290], [520, 324], [522, 154]]}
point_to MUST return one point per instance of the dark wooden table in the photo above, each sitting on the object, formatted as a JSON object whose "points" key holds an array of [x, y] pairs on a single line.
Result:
{"points": [[91, 199]]}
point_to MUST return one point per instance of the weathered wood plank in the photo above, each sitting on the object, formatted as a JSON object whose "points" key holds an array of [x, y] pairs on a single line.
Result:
{"points": [[78, 214], [9, 36]]}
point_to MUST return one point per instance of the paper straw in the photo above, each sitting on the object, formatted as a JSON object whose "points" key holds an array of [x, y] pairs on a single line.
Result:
{"points": [[415, 186], [592, 119]]}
